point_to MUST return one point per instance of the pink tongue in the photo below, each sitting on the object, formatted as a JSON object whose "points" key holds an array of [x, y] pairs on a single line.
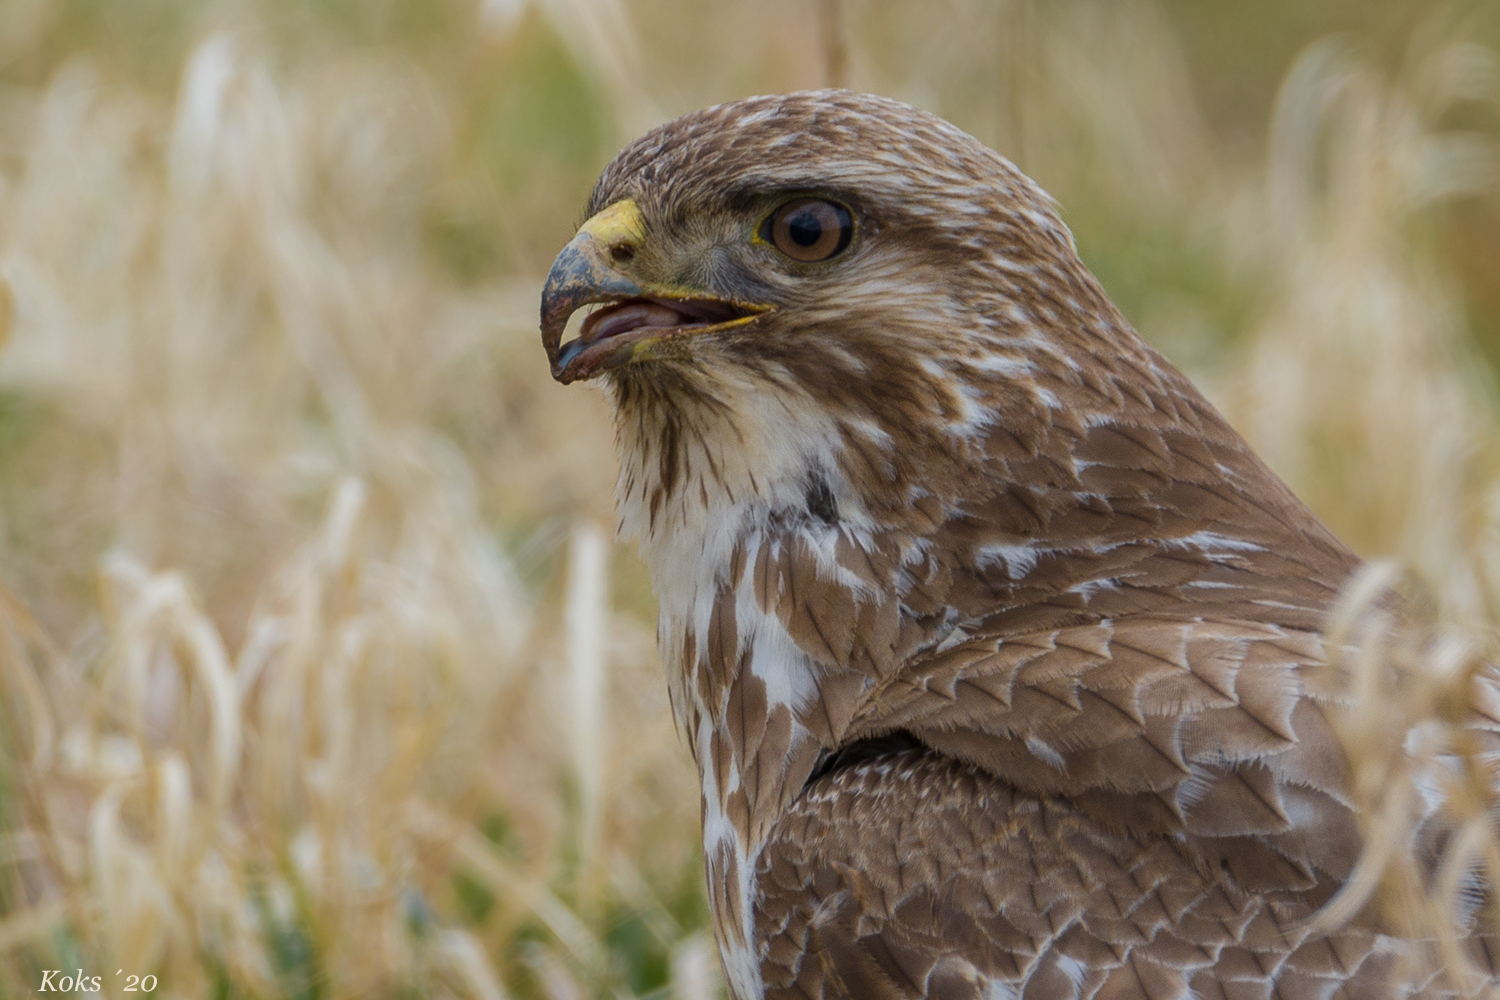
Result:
{"points": [[623, 319]]}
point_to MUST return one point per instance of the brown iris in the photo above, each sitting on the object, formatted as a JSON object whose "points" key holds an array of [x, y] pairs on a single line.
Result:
{"points": [[809, 229]]}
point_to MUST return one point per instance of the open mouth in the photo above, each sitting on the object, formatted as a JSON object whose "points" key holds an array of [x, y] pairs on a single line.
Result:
{"points": [[612, 335]]}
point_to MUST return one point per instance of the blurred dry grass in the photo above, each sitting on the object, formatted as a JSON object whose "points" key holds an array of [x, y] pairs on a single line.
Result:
{"points": [[318, 676]]}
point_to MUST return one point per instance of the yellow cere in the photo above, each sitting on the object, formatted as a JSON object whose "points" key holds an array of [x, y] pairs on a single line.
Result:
{"points": [[620, 223]]}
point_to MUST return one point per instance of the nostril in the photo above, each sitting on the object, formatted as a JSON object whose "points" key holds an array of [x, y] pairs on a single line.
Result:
{"points": [[622, 253]]}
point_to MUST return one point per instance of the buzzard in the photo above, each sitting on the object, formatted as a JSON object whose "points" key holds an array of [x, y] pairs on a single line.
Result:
{"points": [[997, 648]]}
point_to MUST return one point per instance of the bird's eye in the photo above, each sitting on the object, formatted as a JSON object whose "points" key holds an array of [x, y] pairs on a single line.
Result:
{"points": [[809, 229]]}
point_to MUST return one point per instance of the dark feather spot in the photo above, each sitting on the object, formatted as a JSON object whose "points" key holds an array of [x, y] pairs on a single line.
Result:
{"points": [[820, 501]]}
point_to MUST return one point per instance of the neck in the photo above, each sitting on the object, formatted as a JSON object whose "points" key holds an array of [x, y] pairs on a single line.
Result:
{"points": [[1022, 490]]}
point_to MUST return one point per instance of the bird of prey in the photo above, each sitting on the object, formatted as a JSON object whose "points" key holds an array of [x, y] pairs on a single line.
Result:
{"points": [[997, 648]]}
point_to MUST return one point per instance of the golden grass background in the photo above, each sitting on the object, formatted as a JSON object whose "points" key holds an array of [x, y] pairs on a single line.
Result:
{"points": [[320, 676]]}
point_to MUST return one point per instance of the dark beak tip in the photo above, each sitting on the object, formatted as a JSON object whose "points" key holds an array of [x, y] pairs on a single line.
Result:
{"points": [[579, 276]]}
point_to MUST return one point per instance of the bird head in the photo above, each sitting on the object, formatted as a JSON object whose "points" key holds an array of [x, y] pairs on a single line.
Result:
{"points": [[799, 239]]}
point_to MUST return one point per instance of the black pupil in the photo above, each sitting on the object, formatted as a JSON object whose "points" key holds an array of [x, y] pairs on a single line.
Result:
{"points": [[805, 228]]}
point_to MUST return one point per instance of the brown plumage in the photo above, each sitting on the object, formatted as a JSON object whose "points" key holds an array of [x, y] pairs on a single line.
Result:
{"points": [[997, 648]]}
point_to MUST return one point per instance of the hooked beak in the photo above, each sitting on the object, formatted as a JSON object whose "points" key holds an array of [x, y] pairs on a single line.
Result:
{"points": [[640, 320]]}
